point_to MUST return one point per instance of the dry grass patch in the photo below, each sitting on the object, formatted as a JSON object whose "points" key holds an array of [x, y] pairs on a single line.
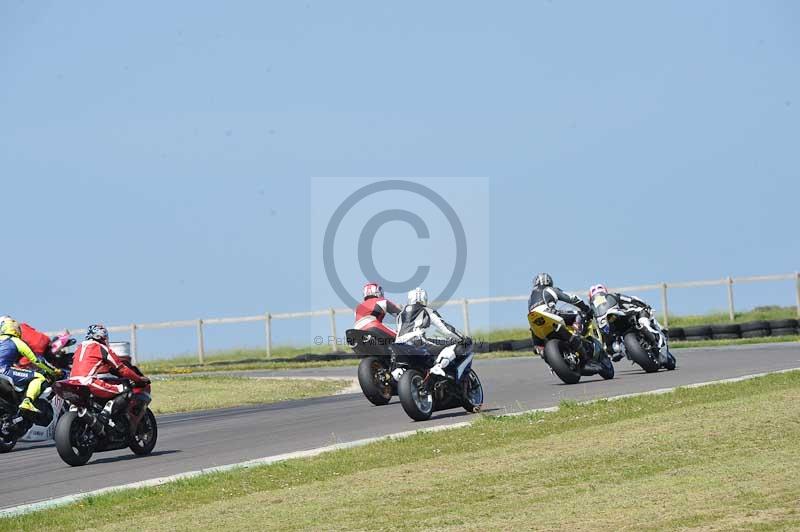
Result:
{"points": [[184, 394]]}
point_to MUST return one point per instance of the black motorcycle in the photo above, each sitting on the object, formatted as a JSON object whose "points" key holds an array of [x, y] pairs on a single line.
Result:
{"points": [[422, 392], [374, 370], [89, 427], [645, 346]]}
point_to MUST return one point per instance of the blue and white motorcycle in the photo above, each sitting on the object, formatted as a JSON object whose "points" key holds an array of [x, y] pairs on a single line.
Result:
{"points": [[15, 426]]}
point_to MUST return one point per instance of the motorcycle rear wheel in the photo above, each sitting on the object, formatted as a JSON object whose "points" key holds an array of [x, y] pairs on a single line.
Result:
{"points": [[69, 431], [416, 403], [143, 442], [639, 355], [374, 389], [554, 358]]}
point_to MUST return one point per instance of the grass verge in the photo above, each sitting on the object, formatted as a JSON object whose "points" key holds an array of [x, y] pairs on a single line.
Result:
{"points": [[185, 394], [705, 458]]}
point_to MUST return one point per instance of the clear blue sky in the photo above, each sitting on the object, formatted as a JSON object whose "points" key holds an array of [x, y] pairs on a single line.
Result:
{"points": [[156, 158]]}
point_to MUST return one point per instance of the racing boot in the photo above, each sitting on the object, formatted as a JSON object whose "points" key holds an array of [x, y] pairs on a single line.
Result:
{"points": [[27, 407], [112, 406], [33, 391]]}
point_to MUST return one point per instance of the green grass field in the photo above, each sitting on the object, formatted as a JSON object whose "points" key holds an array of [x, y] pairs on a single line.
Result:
{"points": [[184, 394], [713, 458], [245, 359]]}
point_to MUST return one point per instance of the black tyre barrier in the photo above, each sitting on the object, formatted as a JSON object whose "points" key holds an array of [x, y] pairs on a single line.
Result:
{"points": [[676, 333], [726, 332], [756, 333], [726, 336], [700, 332], [786, 331], [791, 323], [754, 326], [522, 345], [501, 346]]}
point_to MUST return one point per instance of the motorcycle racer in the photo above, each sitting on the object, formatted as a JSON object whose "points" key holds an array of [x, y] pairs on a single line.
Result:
{"points": [[601, 300], [12, 350], [94, 363], [371, 312], [412, 323], [544, 293]]}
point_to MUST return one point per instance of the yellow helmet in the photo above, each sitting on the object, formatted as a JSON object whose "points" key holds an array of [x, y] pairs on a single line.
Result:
{"points": [[10, 327]]}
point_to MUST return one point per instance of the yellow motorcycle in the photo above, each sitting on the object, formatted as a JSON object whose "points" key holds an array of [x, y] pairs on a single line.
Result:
{"points": [[565, 337]]}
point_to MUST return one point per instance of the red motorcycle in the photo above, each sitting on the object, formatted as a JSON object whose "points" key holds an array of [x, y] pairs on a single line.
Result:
{"points": [[88, 427]]}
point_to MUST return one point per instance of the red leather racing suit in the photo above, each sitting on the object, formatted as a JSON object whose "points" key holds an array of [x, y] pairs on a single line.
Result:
{"points": [[93, 362], [370, 314]]}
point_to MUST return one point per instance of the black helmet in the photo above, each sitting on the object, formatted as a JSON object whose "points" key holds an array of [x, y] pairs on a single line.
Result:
{"points": [[543, 279]]}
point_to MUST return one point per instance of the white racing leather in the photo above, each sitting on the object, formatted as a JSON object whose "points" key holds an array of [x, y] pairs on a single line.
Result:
{"points": [[447, 355]]}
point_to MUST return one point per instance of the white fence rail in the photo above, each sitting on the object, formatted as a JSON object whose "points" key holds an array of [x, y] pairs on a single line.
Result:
{"points": [[268, 318]]}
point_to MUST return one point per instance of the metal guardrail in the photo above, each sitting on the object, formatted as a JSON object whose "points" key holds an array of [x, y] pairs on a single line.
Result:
{"points": [[465, 303]]}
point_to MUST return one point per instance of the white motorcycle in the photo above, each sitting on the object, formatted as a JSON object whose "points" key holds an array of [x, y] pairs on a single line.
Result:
{"points": [[635, 334]]}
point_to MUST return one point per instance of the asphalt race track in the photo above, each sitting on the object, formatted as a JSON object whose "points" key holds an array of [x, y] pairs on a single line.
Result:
{"points": [[34, 472]]}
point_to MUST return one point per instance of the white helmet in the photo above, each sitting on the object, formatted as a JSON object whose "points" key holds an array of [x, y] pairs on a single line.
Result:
{"points": [[418, 295]]}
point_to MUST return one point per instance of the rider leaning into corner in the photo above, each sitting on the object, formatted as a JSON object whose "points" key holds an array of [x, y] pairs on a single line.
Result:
{"points": [[371, 311], [12, 351], [601, 300], [412, 323], [95, 365], [544, 293]]}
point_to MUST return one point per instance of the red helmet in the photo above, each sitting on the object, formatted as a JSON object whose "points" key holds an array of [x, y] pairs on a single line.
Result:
{"points": [[597, 289], [372, 290]]}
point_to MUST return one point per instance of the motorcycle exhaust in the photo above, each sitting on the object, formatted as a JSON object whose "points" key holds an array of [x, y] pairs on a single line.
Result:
{"points": [[95, 424]]}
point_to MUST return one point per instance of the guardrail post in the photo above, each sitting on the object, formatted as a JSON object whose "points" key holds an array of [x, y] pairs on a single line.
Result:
{"points": [[731, 312], [133, 343], [797, 278], [201, 351], [268, 333], [465, 309], [334, 347], [664, 304]]}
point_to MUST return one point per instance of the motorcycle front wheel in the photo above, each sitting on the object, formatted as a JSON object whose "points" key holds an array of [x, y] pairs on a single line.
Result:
{"points": [[671, 363], [74, 439], [473, 393], [417, 401], [555, 359], [638, 354], [144, 440], [608, 368]]}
